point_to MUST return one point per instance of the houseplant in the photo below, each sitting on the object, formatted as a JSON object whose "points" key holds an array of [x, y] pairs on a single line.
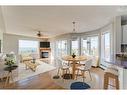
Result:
{"points": [[10, 60], [73, 55]]}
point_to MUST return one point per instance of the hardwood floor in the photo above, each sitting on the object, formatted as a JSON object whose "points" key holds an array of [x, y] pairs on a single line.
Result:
{"points": [[99, 74], [41, 81], [44, 81]]}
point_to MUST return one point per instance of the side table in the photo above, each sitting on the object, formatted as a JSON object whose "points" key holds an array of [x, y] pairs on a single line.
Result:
{"points": [[9, 74]]}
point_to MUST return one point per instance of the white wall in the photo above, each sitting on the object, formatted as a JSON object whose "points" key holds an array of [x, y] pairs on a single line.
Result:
{"points": [[117, 34], [2, 28], [10, 43]]}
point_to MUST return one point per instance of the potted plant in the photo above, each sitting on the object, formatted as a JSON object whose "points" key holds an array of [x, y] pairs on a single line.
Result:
{"points": [[10, 60], [73, 55]]}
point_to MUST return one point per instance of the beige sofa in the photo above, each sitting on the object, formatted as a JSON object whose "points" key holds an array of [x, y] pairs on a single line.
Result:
{"points": [[25, 57]]}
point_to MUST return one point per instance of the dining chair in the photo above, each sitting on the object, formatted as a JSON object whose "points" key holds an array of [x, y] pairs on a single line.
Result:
{"points": [[85, 68], [82, 63], [67, 57], [62, 66]]}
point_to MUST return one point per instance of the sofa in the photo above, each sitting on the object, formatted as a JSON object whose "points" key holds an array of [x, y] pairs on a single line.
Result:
{"points": [[25, 57]]}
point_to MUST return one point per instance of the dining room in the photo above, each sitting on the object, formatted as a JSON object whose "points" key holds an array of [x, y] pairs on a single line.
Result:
{"points": [[77, 73], [77, 59], [82, 59]]}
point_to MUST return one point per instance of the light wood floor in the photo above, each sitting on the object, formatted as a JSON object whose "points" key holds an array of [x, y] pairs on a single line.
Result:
{"points": [[44, 81]]}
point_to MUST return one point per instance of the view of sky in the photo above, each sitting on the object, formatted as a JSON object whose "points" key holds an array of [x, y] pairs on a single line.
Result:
{"points": [[27, 43]]}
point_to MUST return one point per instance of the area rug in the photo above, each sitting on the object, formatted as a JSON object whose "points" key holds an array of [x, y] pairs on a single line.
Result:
{"points": [[66, 83], [41, 68], [79, 86]]}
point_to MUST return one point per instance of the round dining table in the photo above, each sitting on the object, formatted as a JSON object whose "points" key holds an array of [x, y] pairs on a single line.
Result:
{"points": [[73, 61]]}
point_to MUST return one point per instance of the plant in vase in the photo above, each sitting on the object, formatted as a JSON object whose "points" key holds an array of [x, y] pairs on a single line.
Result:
{"points": [[73, 55], [10, 60]]}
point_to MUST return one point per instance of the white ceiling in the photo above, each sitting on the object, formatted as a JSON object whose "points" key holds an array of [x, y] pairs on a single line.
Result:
{"points": [[55, 20]]}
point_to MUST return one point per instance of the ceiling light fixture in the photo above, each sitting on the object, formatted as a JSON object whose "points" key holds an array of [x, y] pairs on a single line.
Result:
{"points": [[39, 34], [73, 27]]}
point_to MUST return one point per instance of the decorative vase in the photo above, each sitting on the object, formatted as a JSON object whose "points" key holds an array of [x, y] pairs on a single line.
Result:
{"points": [[73, 55]]}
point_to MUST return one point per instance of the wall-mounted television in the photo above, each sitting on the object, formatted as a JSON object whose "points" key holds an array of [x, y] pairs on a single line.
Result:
{"points": [[44, 44]]}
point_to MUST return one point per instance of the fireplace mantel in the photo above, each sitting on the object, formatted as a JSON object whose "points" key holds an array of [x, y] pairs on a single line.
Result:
{"points": [[45, 49]]}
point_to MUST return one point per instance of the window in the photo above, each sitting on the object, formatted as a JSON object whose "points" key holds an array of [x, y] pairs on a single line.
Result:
{"points": [[106, 45], [58, 49], [75, 46], [94, 46], [61, 48], [85, 49], [28, 47], [90, 46]]}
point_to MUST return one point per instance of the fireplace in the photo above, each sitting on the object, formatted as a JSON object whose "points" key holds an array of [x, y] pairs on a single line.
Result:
{"points": [[44, 54]]}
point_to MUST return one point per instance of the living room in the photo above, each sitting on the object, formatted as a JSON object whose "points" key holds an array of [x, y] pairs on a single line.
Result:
{"points": [[75, 55]]}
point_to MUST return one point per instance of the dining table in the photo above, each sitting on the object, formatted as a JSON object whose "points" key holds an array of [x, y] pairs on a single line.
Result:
{"points": [[74, 61]]}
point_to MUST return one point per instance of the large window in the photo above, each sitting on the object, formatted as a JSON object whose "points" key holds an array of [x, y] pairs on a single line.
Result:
{"points": [[90, 46], [28, 47], [75, 46], [61, 48], [105, 46], [85, 49], [94, 45], [64, 47]]}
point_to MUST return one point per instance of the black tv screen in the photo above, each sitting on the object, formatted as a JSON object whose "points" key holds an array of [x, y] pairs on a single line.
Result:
{"points": [[44, 44]]}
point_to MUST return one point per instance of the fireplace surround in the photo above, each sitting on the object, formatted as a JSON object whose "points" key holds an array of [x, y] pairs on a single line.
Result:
{"points": [[45, 53]]}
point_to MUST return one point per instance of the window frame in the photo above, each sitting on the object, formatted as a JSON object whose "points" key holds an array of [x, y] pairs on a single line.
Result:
{"points": [[103, 43], [59, 51], [89, 46], [28, 40]]}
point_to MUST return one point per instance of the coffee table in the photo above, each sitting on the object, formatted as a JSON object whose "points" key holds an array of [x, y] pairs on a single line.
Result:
{"points": [[31, 65]]}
